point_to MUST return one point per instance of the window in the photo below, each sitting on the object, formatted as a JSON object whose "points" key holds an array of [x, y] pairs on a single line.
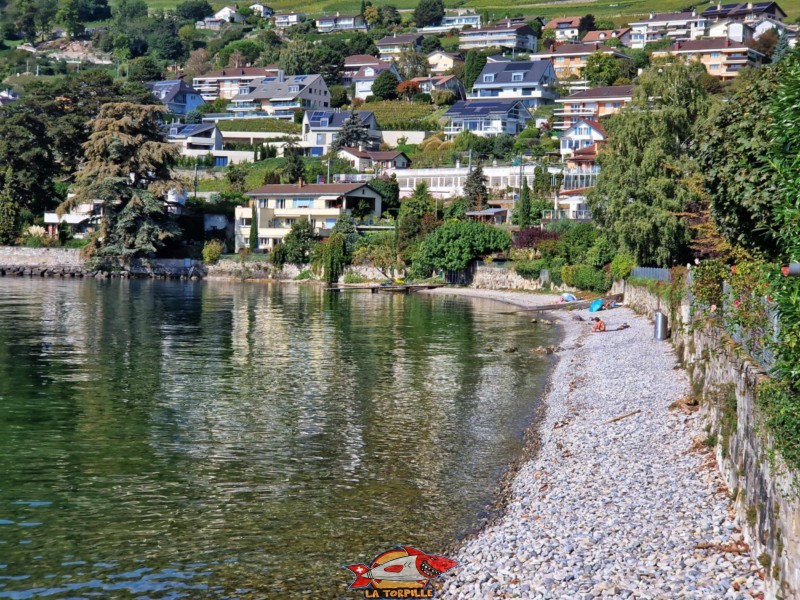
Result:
{"points": [[715, 55], [302, 202], [517, 76], [245, 221], [714, 66], [280, 203], [262, 203], [560, 58], [323, 122], [294, 88], [320, 139], [488, 78]]}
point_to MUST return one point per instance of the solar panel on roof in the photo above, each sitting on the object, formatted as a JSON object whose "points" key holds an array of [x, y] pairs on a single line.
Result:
{"points": [[300, 77]]}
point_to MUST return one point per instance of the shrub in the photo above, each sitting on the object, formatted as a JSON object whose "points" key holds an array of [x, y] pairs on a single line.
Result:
{"points": [[588, 278], [421, 97], [304, 275], [530, 269], [568, 274], [354, 278], [76, 243], [212, 250], [622, 265]]}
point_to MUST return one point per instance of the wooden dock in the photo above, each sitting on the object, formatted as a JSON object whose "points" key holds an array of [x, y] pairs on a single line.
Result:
{"points": [[391, 289]]}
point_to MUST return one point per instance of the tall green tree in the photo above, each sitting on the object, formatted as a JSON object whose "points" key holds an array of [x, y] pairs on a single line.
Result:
{"points": [[522, 212], [782, 48], [473, 65], [416, 219], [127, 169], [297, 58], [252, 240], [294, 169], [733, 151], [352, 134], [194, 10], [68, 16], [299, 242], [603, 69], [385, 86], [640, 193], [475, 188], [9, 211], [428, 12]]}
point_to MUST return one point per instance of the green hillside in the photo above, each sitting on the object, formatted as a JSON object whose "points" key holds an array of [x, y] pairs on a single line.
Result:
{"points": [[621, 11]]}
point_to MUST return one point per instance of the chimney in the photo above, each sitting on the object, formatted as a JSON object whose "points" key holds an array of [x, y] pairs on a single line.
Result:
{"points": [[749, 6], [676, 46], [694, 13], [337, 13], [727, 43], [281, 78], [652, 15], [719, 6], [300, 183]]}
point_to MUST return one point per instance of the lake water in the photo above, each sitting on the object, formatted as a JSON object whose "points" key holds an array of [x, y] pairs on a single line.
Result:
{"points": [[227, 440]]}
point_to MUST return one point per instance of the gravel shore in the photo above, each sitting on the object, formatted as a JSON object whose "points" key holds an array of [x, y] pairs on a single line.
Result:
{"points": [[633, 508]]}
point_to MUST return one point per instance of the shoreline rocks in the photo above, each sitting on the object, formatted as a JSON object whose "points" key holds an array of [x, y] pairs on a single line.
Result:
{"points": [[620, 500]]}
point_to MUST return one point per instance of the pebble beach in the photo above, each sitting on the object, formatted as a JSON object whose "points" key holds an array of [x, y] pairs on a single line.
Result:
{"points": [[622, 498]]}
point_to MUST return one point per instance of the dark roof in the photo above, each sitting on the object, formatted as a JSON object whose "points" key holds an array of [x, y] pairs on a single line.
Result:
{"points": [[165, 91], [336, 118], [609, 91], [705, 46], [361, 59], [245, 72], [479, 108], [270, 87], [532, 71], [742, 9], [392, 40], [377, 68], [389, 155], [180, 131], [516, 27], [315, 189], [565, 49], [675, 16], [593, 124]]}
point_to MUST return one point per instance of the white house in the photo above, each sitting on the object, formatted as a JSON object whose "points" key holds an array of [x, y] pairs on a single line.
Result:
{"points": [[458, 20], [278, 207], [202, 136], [486, 118], [581, 135], [365, 160], [736, 31], [674, 26], [289, 19], [531, 82], [229, 15], [567, 29], [320, 128], [281, 96], [392, 46], [340, 22], [353, 63], [515, 36], [440, 83], [261, 10], [367, 75]]}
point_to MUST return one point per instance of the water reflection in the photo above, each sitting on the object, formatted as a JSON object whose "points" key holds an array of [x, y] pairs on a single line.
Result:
{"points": [[221, 439]]}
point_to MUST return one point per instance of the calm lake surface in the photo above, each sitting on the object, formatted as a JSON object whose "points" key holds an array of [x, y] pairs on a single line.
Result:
{"points": [[228, 440]]}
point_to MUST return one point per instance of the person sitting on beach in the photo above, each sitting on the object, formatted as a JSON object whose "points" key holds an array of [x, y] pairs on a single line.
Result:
{"points": [[599, 325]]}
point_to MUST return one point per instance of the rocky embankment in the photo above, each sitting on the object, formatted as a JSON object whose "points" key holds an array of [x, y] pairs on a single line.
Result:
{"points": [[623, 499]]}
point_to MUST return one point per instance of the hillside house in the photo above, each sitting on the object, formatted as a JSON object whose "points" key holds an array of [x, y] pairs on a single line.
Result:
{"points": [[289, 19], [227, 83], [392, 46], [367, 75], [687, 25], [320, 128], [567, 29], [340, 22], [581, 135], [440, 61], [721, 57], [486, 118], [603, 36], [278, 207], [517, 37], [281, 96], [176, 95], [531, 82], [592, 104]]}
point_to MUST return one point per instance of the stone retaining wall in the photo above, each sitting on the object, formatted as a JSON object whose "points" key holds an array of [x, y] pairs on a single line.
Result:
{"points": [[231, 268], [766, 490], [487, 277], [40, 258]]}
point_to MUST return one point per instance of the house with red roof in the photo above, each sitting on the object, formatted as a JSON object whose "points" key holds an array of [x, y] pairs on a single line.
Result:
{"points": [[604, 36], [366, 160], [581, 135], [567, 29]]}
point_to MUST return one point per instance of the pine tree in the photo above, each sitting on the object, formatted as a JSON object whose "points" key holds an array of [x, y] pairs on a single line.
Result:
{"points": [[475, 188], [428, 12], [127, 168], [781, 48], [294, 169], [8, 211], [353, 133], [472, 68], [253, 239], [363, 8], [68, 17], [522, 214]]}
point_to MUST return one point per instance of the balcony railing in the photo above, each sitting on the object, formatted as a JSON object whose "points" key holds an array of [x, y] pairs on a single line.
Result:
{"points": [[576, 215], [353, 177]]}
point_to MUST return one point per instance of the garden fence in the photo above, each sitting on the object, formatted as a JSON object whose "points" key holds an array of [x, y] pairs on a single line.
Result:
{"points": [[652, 273]]}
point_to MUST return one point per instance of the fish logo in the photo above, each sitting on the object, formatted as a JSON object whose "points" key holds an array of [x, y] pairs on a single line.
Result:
{"points": [[403, 572]]}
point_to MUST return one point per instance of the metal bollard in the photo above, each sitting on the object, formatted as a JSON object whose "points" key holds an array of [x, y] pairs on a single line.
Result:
{"points": [[660, 329]]}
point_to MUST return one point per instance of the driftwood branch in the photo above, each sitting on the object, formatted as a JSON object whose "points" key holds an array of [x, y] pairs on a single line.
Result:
{"points": [[619, 418]]}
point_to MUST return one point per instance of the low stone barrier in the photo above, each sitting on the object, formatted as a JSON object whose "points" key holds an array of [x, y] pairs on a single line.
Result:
{"points": [[765, 489]]}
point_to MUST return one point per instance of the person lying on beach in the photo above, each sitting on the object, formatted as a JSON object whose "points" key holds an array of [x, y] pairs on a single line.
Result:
{"points": [[599, 325]]}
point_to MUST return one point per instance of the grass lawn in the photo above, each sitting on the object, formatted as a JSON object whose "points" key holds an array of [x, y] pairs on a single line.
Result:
{"points": [[267, 125], [620, 10]]}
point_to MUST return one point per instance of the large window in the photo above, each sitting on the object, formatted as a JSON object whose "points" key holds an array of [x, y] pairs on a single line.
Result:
{"points": [[302, 202]]}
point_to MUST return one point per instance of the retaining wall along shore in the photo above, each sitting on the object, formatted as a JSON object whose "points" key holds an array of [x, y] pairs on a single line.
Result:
{"points": [[765, 490]]}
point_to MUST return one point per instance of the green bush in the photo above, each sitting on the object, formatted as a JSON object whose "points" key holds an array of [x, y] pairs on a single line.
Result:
{"points": [[212, 250], [34, 241], [304, 275], [354, 278], [530, 269], [76, 243], [622, 265], [555, 276], [568, 273], [591, 279]]}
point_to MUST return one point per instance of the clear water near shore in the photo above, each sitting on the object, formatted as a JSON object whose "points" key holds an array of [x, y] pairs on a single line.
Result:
{"points": [[167, 440]]}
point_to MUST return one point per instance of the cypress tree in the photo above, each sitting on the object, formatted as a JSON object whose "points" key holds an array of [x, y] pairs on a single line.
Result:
{"points": [[522, 215], [253, 241]]}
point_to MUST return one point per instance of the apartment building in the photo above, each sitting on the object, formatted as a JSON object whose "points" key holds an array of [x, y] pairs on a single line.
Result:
{"points": [[748, 12], [278, 207], [686, 25], [569, 60], [228, 82], [721, 57], [281, 96], [514, 36], [592, 104]]}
